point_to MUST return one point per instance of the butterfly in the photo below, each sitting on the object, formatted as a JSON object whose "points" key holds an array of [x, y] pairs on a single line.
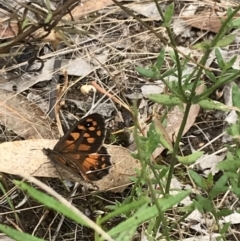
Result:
{"points": [[81, 149]]}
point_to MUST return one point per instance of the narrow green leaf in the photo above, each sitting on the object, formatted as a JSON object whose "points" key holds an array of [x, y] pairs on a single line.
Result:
{"points": [[17, 235], [165, 99], [226, 40], [230, 164], [169, 13], [235, 189], [149, 73], [235, 23], [210, 75], [146, 213], [212, 105], [224, 212], [224, 229], [152, 140], [190, 159], [126, 208], [25, 23], [198, 180], [219, 187], [235, 95], [206, 45], [234, 129], [231, 62], [219, 58], [160, 59], [204, 204]]}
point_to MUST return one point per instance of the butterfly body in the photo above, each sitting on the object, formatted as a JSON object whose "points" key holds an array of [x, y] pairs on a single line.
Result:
{"points": [[81, 149]]}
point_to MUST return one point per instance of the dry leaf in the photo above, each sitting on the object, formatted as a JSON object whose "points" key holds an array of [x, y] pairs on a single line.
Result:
{"points": [[205, 21], [5, 238], [27, 80], [89, 7], [148, 9], [27, 158], [24, 117]]}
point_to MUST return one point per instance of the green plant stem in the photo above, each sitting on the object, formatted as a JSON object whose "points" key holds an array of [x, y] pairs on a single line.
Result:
{"points": [[160, 212]]}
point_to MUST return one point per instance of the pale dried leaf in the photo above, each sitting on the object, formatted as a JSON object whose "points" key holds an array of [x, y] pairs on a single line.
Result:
{"points": [[179, 28], [77, 67], [205, 21], [24, 117], [152, 89], [208, 163], [147, 9], [27, 158], [233, 218], [89, 7], [189, 10], [5, 238], [28, 80]]}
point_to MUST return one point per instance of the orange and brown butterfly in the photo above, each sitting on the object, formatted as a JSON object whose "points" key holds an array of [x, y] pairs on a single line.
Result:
{"points": [[81, 149]]}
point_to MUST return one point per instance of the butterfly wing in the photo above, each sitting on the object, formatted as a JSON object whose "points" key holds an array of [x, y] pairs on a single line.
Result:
{"points": [[80, 150], [85, 136]]}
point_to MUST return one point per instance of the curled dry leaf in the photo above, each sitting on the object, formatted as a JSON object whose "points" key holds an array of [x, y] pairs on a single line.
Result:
{"points": [[24, 117], [26, 158]]}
